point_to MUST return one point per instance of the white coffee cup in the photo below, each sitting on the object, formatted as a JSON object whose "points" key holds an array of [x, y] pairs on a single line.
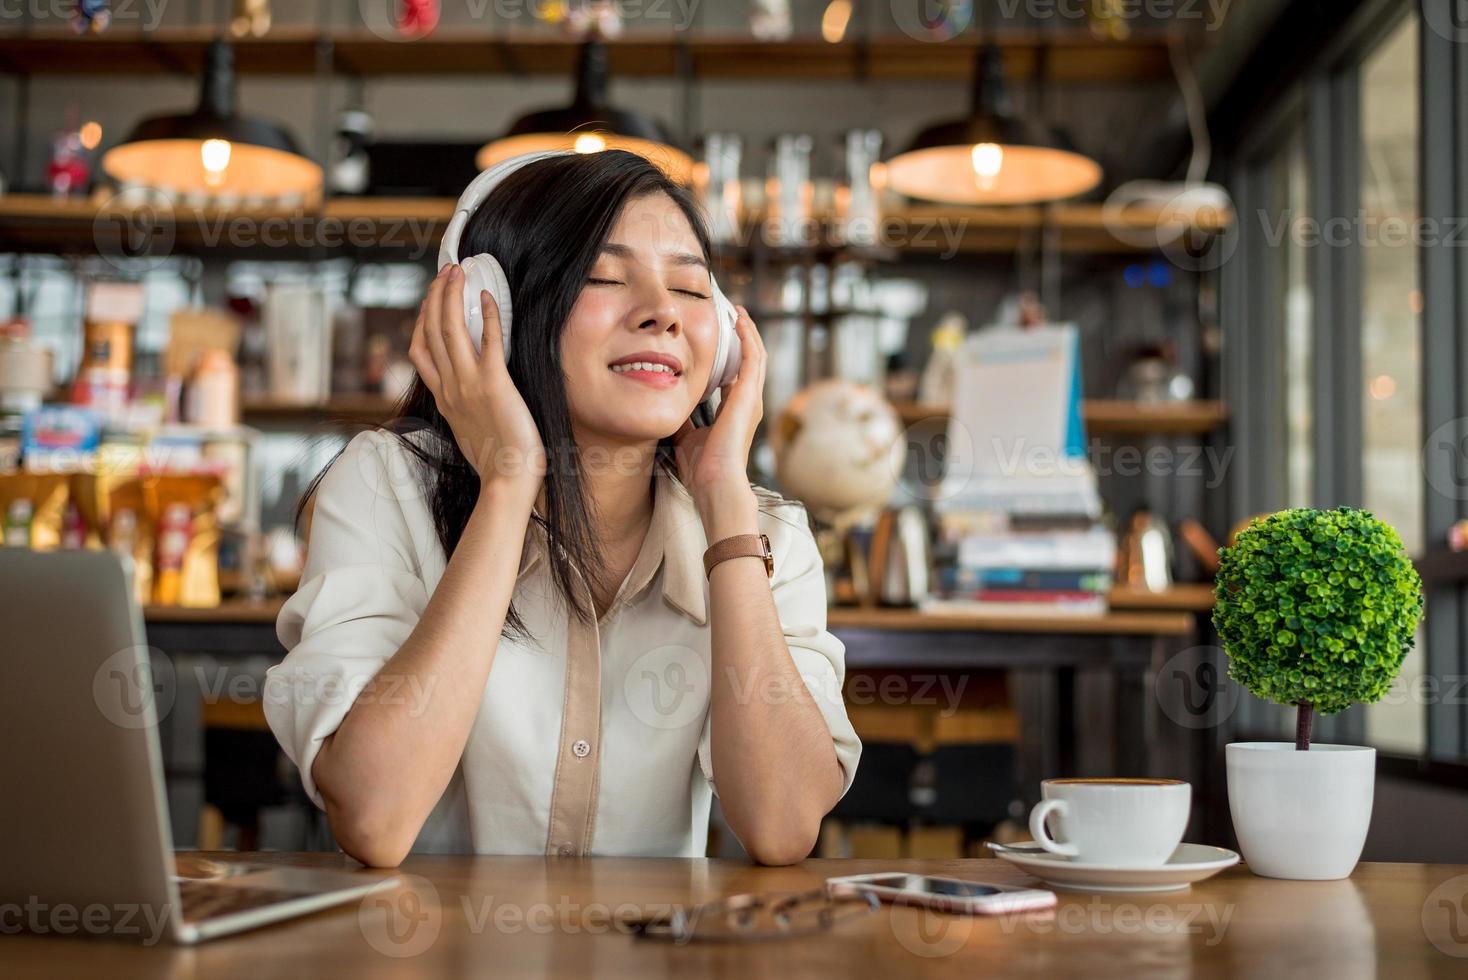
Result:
{"points": [[1134, 823]]}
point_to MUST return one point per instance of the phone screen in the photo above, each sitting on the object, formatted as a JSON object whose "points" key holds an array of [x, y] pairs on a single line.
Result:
{"points": [[934, 886]]}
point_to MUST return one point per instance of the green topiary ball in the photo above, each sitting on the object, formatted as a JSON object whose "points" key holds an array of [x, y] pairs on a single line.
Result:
{"points": [[1317, 606]]}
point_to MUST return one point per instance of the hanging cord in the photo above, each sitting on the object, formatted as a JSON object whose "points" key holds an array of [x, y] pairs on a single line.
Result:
{"points": [[1187, 83], [1192, 195]]}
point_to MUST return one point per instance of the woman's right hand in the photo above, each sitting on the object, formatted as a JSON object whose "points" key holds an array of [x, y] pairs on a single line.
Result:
{"points": [[492, 425]]}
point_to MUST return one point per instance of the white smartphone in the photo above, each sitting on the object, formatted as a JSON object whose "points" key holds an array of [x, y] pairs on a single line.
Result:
{"points": [[946, 894]]}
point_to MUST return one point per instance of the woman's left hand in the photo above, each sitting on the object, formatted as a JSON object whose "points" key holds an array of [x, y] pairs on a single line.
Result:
{"points": [[713, 463]]}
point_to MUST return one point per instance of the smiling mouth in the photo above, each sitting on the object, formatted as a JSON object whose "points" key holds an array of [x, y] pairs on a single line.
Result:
{"points": [[650, 374], [648, 366]]}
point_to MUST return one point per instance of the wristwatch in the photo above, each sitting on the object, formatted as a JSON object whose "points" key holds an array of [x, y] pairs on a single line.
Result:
{"points": [[740, 546]]}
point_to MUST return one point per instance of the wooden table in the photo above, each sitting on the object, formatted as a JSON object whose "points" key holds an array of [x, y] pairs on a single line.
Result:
{"points": [[504, 916]]}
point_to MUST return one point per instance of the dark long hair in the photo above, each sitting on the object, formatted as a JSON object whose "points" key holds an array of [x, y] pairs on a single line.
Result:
{"points": [[545, 223]]}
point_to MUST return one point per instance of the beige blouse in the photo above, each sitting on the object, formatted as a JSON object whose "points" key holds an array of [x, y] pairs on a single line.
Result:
{"points": [[591, 739]]}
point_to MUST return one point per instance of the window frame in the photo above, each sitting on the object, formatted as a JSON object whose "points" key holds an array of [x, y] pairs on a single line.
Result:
{"points": [[1322, 96]]}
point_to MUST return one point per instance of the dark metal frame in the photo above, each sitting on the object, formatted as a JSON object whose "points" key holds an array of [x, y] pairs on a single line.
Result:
{"points": [[1322, 101], [1444, 271]]}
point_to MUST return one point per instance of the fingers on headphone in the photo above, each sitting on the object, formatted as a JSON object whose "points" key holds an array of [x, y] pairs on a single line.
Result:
{"points": [[755, 340], [492, 345], [419, 353], [743, 322], [751, 347], [752, 354], [455, 331], [433, 320]]}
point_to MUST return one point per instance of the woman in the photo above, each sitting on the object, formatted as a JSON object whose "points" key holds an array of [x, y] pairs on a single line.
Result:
{"points": [[505, 640]]}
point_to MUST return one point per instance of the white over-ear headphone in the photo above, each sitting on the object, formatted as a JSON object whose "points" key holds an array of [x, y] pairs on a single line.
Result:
{"points": [[483, 271]]}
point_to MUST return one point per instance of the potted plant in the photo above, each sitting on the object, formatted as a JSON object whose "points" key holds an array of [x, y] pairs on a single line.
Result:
{"points": [[1316, 609]]}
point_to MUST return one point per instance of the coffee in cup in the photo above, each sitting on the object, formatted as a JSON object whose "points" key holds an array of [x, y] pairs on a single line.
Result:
{"points": [[1135, 823]]}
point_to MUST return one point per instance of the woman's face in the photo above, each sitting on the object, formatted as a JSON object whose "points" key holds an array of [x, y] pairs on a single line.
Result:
{"points": [[639, 345]]}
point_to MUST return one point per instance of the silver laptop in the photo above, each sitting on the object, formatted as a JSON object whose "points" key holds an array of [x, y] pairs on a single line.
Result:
{"points": [[85, 845]]}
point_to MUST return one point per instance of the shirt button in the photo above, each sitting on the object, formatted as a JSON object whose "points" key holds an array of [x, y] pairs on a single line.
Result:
{"points": [[581, 747], [566, 850]]}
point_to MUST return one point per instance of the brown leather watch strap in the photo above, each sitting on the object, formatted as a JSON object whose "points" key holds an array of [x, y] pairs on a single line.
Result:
{"points": [[740, 546]]}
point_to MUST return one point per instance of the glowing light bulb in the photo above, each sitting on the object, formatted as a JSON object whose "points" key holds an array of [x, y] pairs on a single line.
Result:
{"points": [[90, 134], [590, 143], [988, 160], [214, 154]]}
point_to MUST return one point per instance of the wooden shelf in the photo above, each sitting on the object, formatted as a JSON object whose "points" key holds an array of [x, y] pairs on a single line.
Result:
{"points": [[1195, 597], [1115, 416], [1181, 418], [230, 611], [1147, 623], [1442, 567], [343, 408], [1069, 55], [1154, 622], [911, 413], [113, 227], [1198, 418], [413, 226]]}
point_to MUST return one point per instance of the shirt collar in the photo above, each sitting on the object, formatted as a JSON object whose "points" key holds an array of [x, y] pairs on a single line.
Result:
{"points": [[675, 516], [675, 543]]}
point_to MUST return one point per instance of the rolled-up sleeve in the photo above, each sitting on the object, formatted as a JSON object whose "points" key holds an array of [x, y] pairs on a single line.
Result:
{"points": [[360, 597], [799, 588]]}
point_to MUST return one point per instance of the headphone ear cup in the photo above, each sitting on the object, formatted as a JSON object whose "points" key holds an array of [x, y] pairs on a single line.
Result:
{"points": [[727, 351], [483, 272]]}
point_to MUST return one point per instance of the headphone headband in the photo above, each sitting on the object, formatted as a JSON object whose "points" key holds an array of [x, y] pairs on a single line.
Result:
{"points": [[475, 194]]}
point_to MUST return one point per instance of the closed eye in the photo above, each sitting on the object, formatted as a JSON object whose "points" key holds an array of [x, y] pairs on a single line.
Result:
{"points": [[617, 282]]}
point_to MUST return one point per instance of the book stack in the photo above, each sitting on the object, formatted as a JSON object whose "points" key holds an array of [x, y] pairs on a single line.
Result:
{"points": [[1019, 518], [1035, 546]]}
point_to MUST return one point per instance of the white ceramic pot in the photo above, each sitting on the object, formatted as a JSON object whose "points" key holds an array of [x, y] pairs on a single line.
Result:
{"points": [[1300, 814]]}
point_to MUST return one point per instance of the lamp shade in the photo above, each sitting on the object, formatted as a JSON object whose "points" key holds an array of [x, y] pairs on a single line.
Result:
{"points": [[214, 151], [991, 156], [590, 124]]}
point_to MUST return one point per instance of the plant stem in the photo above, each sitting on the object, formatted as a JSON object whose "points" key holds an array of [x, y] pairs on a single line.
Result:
{"points": [[1304, 717]]}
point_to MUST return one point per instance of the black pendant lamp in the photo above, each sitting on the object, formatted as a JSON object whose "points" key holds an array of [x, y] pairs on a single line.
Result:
{"points": [[213, 151], [991, 156], [589, 124]]}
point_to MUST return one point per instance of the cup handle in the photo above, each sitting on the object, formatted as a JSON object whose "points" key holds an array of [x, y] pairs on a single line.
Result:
{"points": [[1041, 836]]}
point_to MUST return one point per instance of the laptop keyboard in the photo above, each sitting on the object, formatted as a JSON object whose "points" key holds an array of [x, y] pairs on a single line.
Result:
{"points": [[200, 900]]}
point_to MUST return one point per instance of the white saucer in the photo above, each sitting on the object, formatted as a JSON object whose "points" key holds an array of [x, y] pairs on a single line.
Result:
{"points": [[1189, 863]]}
